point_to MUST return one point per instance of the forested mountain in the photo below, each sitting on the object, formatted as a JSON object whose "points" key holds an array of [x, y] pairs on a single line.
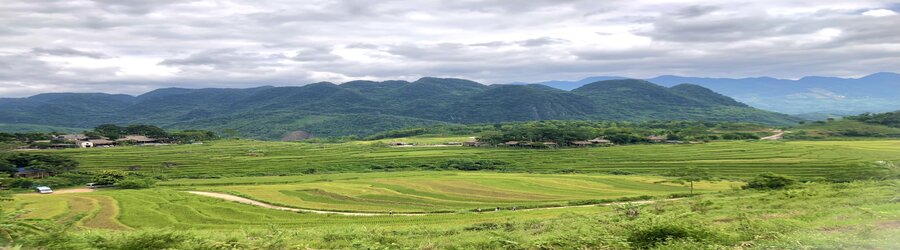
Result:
{"points": [[367, 107], [825, 96]]}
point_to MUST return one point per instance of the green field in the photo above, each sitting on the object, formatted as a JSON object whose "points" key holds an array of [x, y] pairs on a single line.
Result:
{"points": [[862, 215], [436, 209], [256, 158], [450, 191]]}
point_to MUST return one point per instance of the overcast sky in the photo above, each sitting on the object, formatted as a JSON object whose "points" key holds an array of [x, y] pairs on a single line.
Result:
{"points": [[133, 46]]}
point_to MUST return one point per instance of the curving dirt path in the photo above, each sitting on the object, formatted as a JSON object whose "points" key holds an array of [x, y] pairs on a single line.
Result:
{"points": [[239, 199], [777, 136]]}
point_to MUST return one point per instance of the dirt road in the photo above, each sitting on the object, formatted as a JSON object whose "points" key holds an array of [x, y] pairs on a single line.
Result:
{"points": [[239, 199], [777, 136], [67, 191]]}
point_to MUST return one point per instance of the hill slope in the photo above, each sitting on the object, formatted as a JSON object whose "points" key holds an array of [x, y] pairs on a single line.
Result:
{"points": [[825, 96], [367, 107]]}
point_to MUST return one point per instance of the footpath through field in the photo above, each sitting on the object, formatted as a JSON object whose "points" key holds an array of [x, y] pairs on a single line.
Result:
{"points": [[239, 199]]}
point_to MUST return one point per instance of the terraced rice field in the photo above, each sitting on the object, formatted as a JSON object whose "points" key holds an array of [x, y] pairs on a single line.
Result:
{"points": [[452, 191], [166, 208], [230, 158], [455, 193], [81, 210]]}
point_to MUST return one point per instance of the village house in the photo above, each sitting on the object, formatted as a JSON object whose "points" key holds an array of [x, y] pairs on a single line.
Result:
{"points": [[97, 143], [138, 139], [511, 143], [29, 173], [550, 144], [71, 137], [656, 138], [600, 141]]}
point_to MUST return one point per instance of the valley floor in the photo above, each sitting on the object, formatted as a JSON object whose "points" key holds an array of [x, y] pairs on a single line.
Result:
{"points": [[386, 183]]}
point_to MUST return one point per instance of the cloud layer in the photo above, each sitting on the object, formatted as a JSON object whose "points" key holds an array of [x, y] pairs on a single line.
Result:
{"points": [[134, 46]]}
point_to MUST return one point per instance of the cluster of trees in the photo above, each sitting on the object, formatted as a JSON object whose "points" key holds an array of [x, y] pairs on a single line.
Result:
{"points": [[121, 179], [48, 165], [566, 132], [890, 119], [113, 132], [59, 171], [25, 137]]}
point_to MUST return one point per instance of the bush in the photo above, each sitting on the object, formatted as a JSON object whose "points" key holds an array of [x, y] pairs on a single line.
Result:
{"points": [[769, 181], [472, 165], [108, 177], [620, 172], [666, 232], [135, 183]]}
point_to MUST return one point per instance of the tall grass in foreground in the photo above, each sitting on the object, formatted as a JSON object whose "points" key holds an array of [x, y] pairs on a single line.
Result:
{"points": [[858, 215]]}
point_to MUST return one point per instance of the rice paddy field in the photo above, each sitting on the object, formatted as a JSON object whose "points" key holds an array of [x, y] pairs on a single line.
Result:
{"points": [[453, 191], [863, 215], [232, 158], [565, 198]]}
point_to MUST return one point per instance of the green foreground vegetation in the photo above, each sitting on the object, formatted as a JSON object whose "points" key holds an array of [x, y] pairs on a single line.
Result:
{"points": [[824, 195], [862, 215]]}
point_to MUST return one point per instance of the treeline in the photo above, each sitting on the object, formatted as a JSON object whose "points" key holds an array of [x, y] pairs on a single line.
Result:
{"points": [[566, 132], [25, 137], [890, 119], [113, 132], [41, 170], [23, 171]]}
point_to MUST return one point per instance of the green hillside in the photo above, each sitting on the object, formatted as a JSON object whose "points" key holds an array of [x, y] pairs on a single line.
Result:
{"points": [[365, 107]]}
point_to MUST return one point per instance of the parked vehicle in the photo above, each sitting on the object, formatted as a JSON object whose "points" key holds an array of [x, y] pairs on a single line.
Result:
{"points": [[44, 190]]}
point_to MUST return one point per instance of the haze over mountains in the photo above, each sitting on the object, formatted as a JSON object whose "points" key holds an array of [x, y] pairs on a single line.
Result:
{"points": [[367, 107], [877, 92]]}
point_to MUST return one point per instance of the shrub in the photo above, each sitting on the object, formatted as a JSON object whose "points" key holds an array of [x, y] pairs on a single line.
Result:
{"points": [[21, 183], [665, 232], [472, 165], [768, 181], [620, 172], [108, 177], [135, 183], [483, 226]]}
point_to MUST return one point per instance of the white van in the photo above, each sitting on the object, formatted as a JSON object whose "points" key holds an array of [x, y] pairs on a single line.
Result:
{"points": [[44, 190]]}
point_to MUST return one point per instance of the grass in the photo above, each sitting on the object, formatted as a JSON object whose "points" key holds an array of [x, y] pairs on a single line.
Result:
{"points": [[447, 191], [231, 158], [862, 215], [834, 129], [359, 176]]}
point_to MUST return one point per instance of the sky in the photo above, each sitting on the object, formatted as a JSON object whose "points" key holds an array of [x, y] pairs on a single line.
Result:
{"points": [[134, 46]]}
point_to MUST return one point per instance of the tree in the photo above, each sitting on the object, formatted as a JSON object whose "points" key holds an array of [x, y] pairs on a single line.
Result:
{"points": [[146, 130], [108, 177], [6, 165], [691, 175], [769, 181], [110, 130]]}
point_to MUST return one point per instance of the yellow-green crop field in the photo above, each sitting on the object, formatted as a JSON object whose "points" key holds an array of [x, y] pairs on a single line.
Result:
{"points": [[410, 203], [453, 191], [230, 158]]}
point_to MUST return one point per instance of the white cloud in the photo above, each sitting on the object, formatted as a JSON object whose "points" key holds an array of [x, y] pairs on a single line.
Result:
{"points": [[135, 46], [879, 13]]}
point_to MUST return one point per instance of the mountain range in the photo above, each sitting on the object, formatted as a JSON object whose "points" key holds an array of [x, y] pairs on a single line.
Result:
{"points": [[367, 107], [811, 96]]}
